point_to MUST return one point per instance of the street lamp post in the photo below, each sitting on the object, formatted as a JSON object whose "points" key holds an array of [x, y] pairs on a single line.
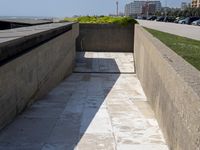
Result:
{"points": [[165, 8], [147, 8], [117, 9]]}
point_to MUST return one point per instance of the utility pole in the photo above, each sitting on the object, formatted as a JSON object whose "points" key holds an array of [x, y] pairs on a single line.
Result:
{"points": [[147, 8], [165, 8], [117, 9]]}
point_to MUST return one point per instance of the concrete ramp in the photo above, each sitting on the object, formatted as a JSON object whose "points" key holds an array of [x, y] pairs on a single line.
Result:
{"points": [[101, 106]]}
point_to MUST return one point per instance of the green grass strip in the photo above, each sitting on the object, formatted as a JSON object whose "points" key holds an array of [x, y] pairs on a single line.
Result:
{"points": [[188, 49]]}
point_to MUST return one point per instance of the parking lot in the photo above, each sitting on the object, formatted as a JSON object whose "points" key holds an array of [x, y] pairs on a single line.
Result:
{"points": [[188, 31]]}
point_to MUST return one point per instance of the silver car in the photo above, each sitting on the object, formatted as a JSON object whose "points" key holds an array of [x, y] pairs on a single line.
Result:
{"points": [[196, 23]]}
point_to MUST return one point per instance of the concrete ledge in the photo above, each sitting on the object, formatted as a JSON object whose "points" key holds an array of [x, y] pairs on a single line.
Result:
{"points": [[32, 74], [17, 41], [105, 37], [18, 23], [173, 88]]}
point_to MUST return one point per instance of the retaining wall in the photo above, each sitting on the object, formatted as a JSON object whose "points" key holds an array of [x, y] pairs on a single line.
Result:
{"points": [[105, 38], [173, 88], [33, 60]]}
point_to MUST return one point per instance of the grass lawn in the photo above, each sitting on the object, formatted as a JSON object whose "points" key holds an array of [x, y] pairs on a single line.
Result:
{"points": [[103, 20], [187, 48]]}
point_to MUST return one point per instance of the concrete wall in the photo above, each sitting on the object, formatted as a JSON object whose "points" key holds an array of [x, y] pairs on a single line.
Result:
{"points": [[173, 88], [30, 75], [105, 37]]}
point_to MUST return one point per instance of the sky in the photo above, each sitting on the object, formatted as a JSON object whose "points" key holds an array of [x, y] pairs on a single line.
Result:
{"points": [[67, 8]]}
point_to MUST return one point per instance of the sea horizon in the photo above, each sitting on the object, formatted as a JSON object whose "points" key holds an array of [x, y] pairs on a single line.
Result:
{"points": [[26, 17]]}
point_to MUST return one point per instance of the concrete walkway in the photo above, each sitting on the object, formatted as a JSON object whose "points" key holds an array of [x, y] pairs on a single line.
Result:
{"points": [[189, 31], [93, 109]]}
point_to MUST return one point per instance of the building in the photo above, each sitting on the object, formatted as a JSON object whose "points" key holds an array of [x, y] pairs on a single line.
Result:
{"points": [[127, 10], [120, 14], [136, 8], [184, 5], [149, 9], [195, 3]]}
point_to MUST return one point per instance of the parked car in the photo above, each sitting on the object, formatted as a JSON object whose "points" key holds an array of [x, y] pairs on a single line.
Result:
{"points": [[144, 17], [169, 19], [161, 18], [196, 23], [139, 17], [178, 19], [152, 18], [188, 20]]}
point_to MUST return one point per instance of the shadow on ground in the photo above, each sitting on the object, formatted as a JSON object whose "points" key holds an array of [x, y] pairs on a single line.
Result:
{"points": [[60, 119]]}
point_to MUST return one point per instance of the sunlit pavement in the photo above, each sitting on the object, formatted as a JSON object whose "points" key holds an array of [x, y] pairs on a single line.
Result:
{"points": [[101, 106]]}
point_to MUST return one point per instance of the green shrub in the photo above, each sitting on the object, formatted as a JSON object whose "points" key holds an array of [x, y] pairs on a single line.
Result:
{"points": [[103, 20]]}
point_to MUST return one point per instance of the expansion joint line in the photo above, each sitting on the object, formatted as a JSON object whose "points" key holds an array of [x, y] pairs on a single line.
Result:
{"points": [[105, 72]]}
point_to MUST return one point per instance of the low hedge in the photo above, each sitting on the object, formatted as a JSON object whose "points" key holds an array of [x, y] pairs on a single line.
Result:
{"points": [[103, 20]]}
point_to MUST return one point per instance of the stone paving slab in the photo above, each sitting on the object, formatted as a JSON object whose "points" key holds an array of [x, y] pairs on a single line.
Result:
{"points": [[142, 147], [88, 111], [105, 62]]}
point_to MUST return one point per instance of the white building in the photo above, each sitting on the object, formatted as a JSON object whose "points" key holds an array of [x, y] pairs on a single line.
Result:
{"points": [[196, 3], [183, 5], [135, 8]]}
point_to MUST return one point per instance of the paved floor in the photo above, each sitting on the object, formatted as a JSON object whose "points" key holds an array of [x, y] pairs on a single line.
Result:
{"points": [[105, 62], [89, 111], [188, 31]]}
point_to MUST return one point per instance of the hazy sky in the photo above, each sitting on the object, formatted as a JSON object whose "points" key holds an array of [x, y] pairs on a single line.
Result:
{"points": [[62, 8]]}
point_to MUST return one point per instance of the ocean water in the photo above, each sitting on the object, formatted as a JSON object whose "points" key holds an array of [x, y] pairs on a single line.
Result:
{"points": [[25, 17]]}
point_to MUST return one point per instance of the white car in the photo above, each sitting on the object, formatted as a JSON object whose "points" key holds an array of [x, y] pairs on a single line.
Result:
{"points": [[197, 22]]}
